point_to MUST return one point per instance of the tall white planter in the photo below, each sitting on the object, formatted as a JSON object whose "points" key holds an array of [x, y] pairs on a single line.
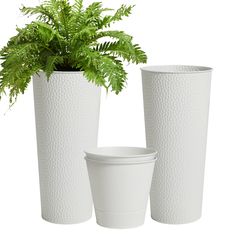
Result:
{"points": [[67, 112], [176, 104]]}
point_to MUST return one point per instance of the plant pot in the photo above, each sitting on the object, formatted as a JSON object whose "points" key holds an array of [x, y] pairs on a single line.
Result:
{"points": [[176, 104], [67, 112], [120, 179]]}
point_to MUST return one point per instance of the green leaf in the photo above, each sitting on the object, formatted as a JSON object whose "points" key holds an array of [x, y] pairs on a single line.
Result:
{"points": [[45, 31], [115, 34], [78, 6], [51, 63], [68, 37], [123, 11]]}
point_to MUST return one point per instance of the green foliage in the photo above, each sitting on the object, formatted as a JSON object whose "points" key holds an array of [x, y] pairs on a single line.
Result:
{"points": [[67, 37]]}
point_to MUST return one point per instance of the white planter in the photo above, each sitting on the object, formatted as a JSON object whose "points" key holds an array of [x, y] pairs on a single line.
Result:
{"points": [[176, 103], [67, 112], [120, 179]]}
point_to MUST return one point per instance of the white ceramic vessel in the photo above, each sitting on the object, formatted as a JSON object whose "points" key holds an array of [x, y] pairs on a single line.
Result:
{"points": [[67, 112], [120, 179], [176, 104]]}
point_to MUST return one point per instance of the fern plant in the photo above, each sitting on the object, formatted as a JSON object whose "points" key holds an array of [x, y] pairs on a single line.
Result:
{"points": [[67, 37]]}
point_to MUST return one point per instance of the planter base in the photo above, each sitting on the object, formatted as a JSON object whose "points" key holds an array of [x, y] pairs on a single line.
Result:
{"points": [[175, 221], [120, 221], [69, 221]]}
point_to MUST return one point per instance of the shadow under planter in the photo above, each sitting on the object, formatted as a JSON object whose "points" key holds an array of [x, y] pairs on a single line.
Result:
{"points": [[176, 104], [67, 112]]}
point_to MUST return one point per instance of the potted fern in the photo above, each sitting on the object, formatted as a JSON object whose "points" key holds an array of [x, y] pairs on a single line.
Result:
{"points": [[70, 54]]}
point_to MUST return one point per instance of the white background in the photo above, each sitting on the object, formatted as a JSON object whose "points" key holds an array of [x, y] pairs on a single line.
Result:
{"points": [[196, 32]]}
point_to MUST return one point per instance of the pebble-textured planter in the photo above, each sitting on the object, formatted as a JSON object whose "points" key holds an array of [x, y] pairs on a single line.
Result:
{"points": [[176, 104], [67, 112]]}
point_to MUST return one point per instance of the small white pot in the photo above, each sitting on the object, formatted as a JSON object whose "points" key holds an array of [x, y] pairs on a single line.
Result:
{"points": [[176, 104], [67, 112], [120, 179]]}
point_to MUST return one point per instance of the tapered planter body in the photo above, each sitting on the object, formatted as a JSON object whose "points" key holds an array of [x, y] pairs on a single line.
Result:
{"points": [[67, 112], [120, 179], [176, 104]]}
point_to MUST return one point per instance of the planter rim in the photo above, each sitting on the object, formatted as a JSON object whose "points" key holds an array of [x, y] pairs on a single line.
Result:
{"points": [[121, 155], [63, 72], [176, 69]]}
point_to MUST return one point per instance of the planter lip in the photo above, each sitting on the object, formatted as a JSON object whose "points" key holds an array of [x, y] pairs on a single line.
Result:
{"points": [[121, 155], [67, 72], [176, 69], [63, 72]]}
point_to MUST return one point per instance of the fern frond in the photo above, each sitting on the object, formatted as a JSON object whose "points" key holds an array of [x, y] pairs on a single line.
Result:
{"points": [[139, 55], [126, 50], [43, 13], [113, 70], [78, 6], [51, 63], [115, 34], [123, 11], [45, 31], [64, 16], [85, 33]]}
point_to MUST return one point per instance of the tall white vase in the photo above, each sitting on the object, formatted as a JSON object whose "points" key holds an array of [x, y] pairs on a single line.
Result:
{"points": [[176, 104], [67, 116]]}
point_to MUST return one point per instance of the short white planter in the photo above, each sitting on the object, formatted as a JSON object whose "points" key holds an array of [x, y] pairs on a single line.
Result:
{"points": [[120, 179], [176, 104], [67, 112]]}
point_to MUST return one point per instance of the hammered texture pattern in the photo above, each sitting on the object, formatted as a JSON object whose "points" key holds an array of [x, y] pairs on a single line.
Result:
{"points": [[176, 118], [67, 115]]}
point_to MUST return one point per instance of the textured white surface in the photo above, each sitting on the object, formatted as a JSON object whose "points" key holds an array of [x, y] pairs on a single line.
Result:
{"points": [[169, 31], [67, 111], [176, 106], [120, 189]]}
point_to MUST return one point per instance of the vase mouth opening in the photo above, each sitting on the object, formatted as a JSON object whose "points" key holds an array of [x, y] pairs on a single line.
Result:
{"points": [[176, 69], [68, 72], [119, 155], [63, 72]]}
